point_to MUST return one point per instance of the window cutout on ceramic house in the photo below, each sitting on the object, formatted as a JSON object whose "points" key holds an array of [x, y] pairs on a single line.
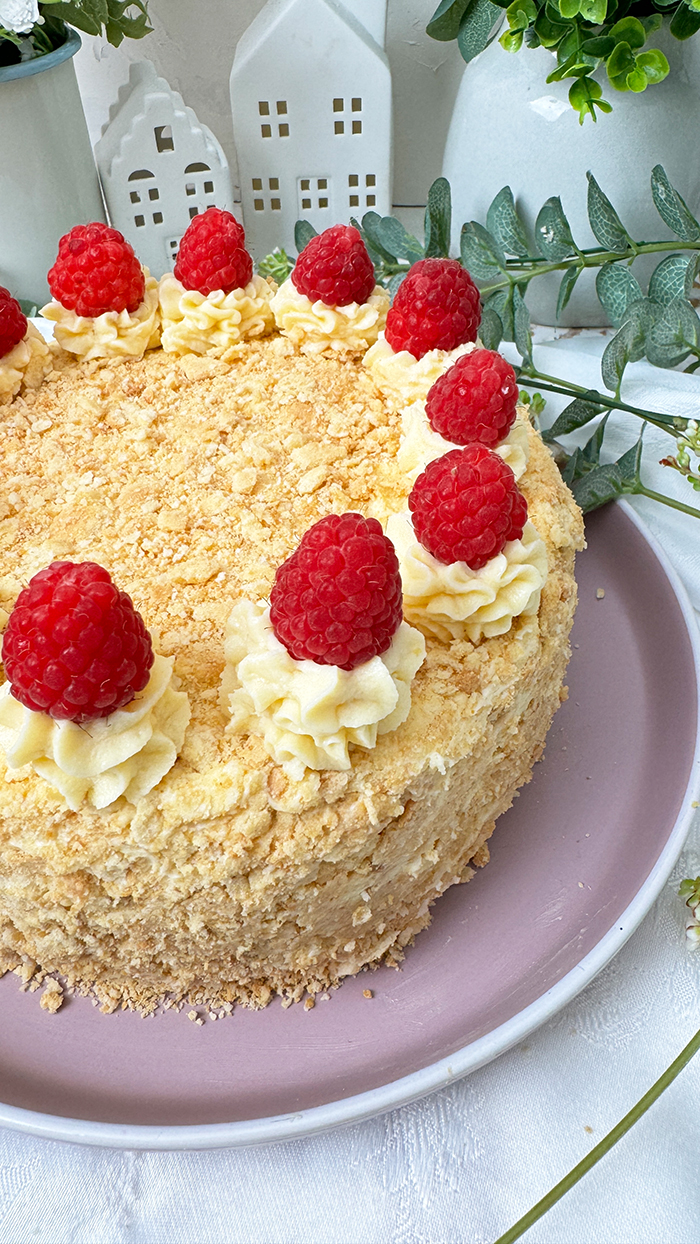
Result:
{"points": [[284, 130], [257, 183], [273, 183], [353, 180], [281, 107], [338, 105], [135, 196], [263, 108], [340, 127], [276, 205], [357, 127], [266, 131], [164, 137], [155, 147], [357, 104]]}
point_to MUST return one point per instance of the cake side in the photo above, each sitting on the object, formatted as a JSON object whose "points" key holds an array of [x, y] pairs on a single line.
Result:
{"points": [[229, 882]]}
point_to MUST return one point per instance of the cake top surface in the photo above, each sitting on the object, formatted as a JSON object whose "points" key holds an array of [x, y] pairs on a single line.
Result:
{"points": [[191, 480]]}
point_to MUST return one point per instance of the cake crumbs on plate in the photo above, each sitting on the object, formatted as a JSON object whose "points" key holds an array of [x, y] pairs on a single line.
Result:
{"points": [[600, 593], [367, 993], [309, 1004], [51, 999]]}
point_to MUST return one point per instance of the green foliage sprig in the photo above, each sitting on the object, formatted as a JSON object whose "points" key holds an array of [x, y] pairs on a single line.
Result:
{"points": [[583, 34], [117, 19]]}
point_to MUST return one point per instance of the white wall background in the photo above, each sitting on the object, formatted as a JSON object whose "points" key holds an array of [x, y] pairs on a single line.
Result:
{"points": [[193, 47]]}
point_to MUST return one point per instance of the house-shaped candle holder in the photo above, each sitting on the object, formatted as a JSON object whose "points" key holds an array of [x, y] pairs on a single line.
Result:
{"points": [[159, 167], [311, 103]]}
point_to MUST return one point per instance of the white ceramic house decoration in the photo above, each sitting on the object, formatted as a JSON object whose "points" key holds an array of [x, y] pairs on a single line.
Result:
{"points": [[311, 103], [159, 167]]}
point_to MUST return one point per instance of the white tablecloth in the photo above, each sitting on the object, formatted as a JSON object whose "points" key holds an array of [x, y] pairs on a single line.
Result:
{"points": [[464, 1164]]}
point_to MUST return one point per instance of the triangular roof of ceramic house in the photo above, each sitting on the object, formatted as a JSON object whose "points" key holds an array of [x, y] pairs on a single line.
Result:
{"points": [[284, 22], [129, 108]]}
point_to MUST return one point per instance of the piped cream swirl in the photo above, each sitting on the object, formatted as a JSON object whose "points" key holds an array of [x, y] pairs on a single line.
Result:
{"points": [[309, 714], [403, 378], [126, 753], [456, 602], [420, 444], [314, 327], [114, 334], [215, 324], [25, 365]]}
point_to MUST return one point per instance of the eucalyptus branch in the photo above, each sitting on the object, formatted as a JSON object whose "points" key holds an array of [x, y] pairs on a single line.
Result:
{"points": [[553, 384], [604, 1146], [522, 271]]}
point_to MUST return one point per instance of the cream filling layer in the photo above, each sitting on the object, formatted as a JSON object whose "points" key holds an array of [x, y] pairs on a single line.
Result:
{"points": [[456, 602], [25, 365], [126, 753], [309, 714], [314, 327], [213, 324], [114, 334], [420, 444], [403, 378]]}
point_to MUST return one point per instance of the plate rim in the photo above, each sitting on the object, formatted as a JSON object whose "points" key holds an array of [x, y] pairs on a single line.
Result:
{"points": [[359, 1107]]}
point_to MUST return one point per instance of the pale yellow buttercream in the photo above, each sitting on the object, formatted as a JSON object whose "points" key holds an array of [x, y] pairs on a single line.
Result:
{"points": [[421, 445], [309, 714], [114, 334], [315, 328], [25, 365], [215, 324], [456, 602], [126, 753], [403, 378]]}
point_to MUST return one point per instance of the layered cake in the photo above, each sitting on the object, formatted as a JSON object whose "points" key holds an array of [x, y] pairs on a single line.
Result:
{"points": [[280, 794]]}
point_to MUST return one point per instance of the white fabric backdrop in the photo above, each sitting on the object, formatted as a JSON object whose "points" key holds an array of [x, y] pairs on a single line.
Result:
{"points": [[464, 1164]]}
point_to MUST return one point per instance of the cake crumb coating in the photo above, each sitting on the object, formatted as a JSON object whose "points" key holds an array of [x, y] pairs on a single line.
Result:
{"points": [[191, 480]]}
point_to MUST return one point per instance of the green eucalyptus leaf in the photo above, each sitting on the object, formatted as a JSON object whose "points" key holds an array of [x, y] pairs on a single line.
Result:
{"points": [[591, 450], [504, 224], [600, 47], [490, 328], [550, 32], [654, 65], [685, 22], [73, 15], [594, 11], [394, 283], [480, 253], [521, 326], [438, 219], [303, 233], [552, 231], [502, 303], [28, 307], [444, 23], [576, 415], [629, 31], [566, 286], [629, 343], [569, 8], [476, 28], [671, 207], [605, 223], [620, 64], [511, 41], [597, 487], [629, 465], [637, 80], [397, 241], [673, 278], [575, 467], [616, 288], [585, 97], [652, 23], [674, 335]]}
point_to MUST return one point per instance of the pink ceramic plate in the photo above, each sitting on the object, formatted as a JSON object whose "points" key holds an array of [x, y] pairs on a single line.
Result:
{"points": [[575, 865]]}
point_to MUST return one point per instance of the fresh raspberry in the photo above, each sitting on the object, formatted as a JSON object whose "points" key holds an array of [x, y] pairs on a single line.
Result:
{"points": [[436, 307], [337, 599], [212, 254], [74, 646], [334, 267], [466, 506], [96, 271], [13, 322], [474, 400]]}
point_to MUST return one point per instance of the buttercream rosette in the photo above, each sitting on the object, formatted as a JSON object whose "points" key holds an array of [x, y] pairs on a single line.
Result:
{"points": [[114, 334], [455, 602], [315, 327], [214, 324], [403, 379], [126, 753], [25, 365], [421, 444], [310, 714]]}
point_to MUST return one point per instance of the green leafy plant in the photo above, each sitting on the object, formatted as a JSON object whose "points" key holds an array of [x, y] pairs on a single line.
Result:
{"points": [[661, 324], [582, 34], [29, 29]]}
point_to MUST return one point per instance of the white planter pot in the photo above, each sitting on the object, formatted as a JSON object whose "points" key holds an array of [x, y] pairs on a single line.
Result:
{"points": [[510, 127], [48, 180]]}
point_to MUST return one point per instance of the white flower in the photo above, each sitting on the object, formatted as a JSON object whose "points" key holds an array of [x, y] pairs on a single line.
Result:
{"points": [[19, 15]]}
